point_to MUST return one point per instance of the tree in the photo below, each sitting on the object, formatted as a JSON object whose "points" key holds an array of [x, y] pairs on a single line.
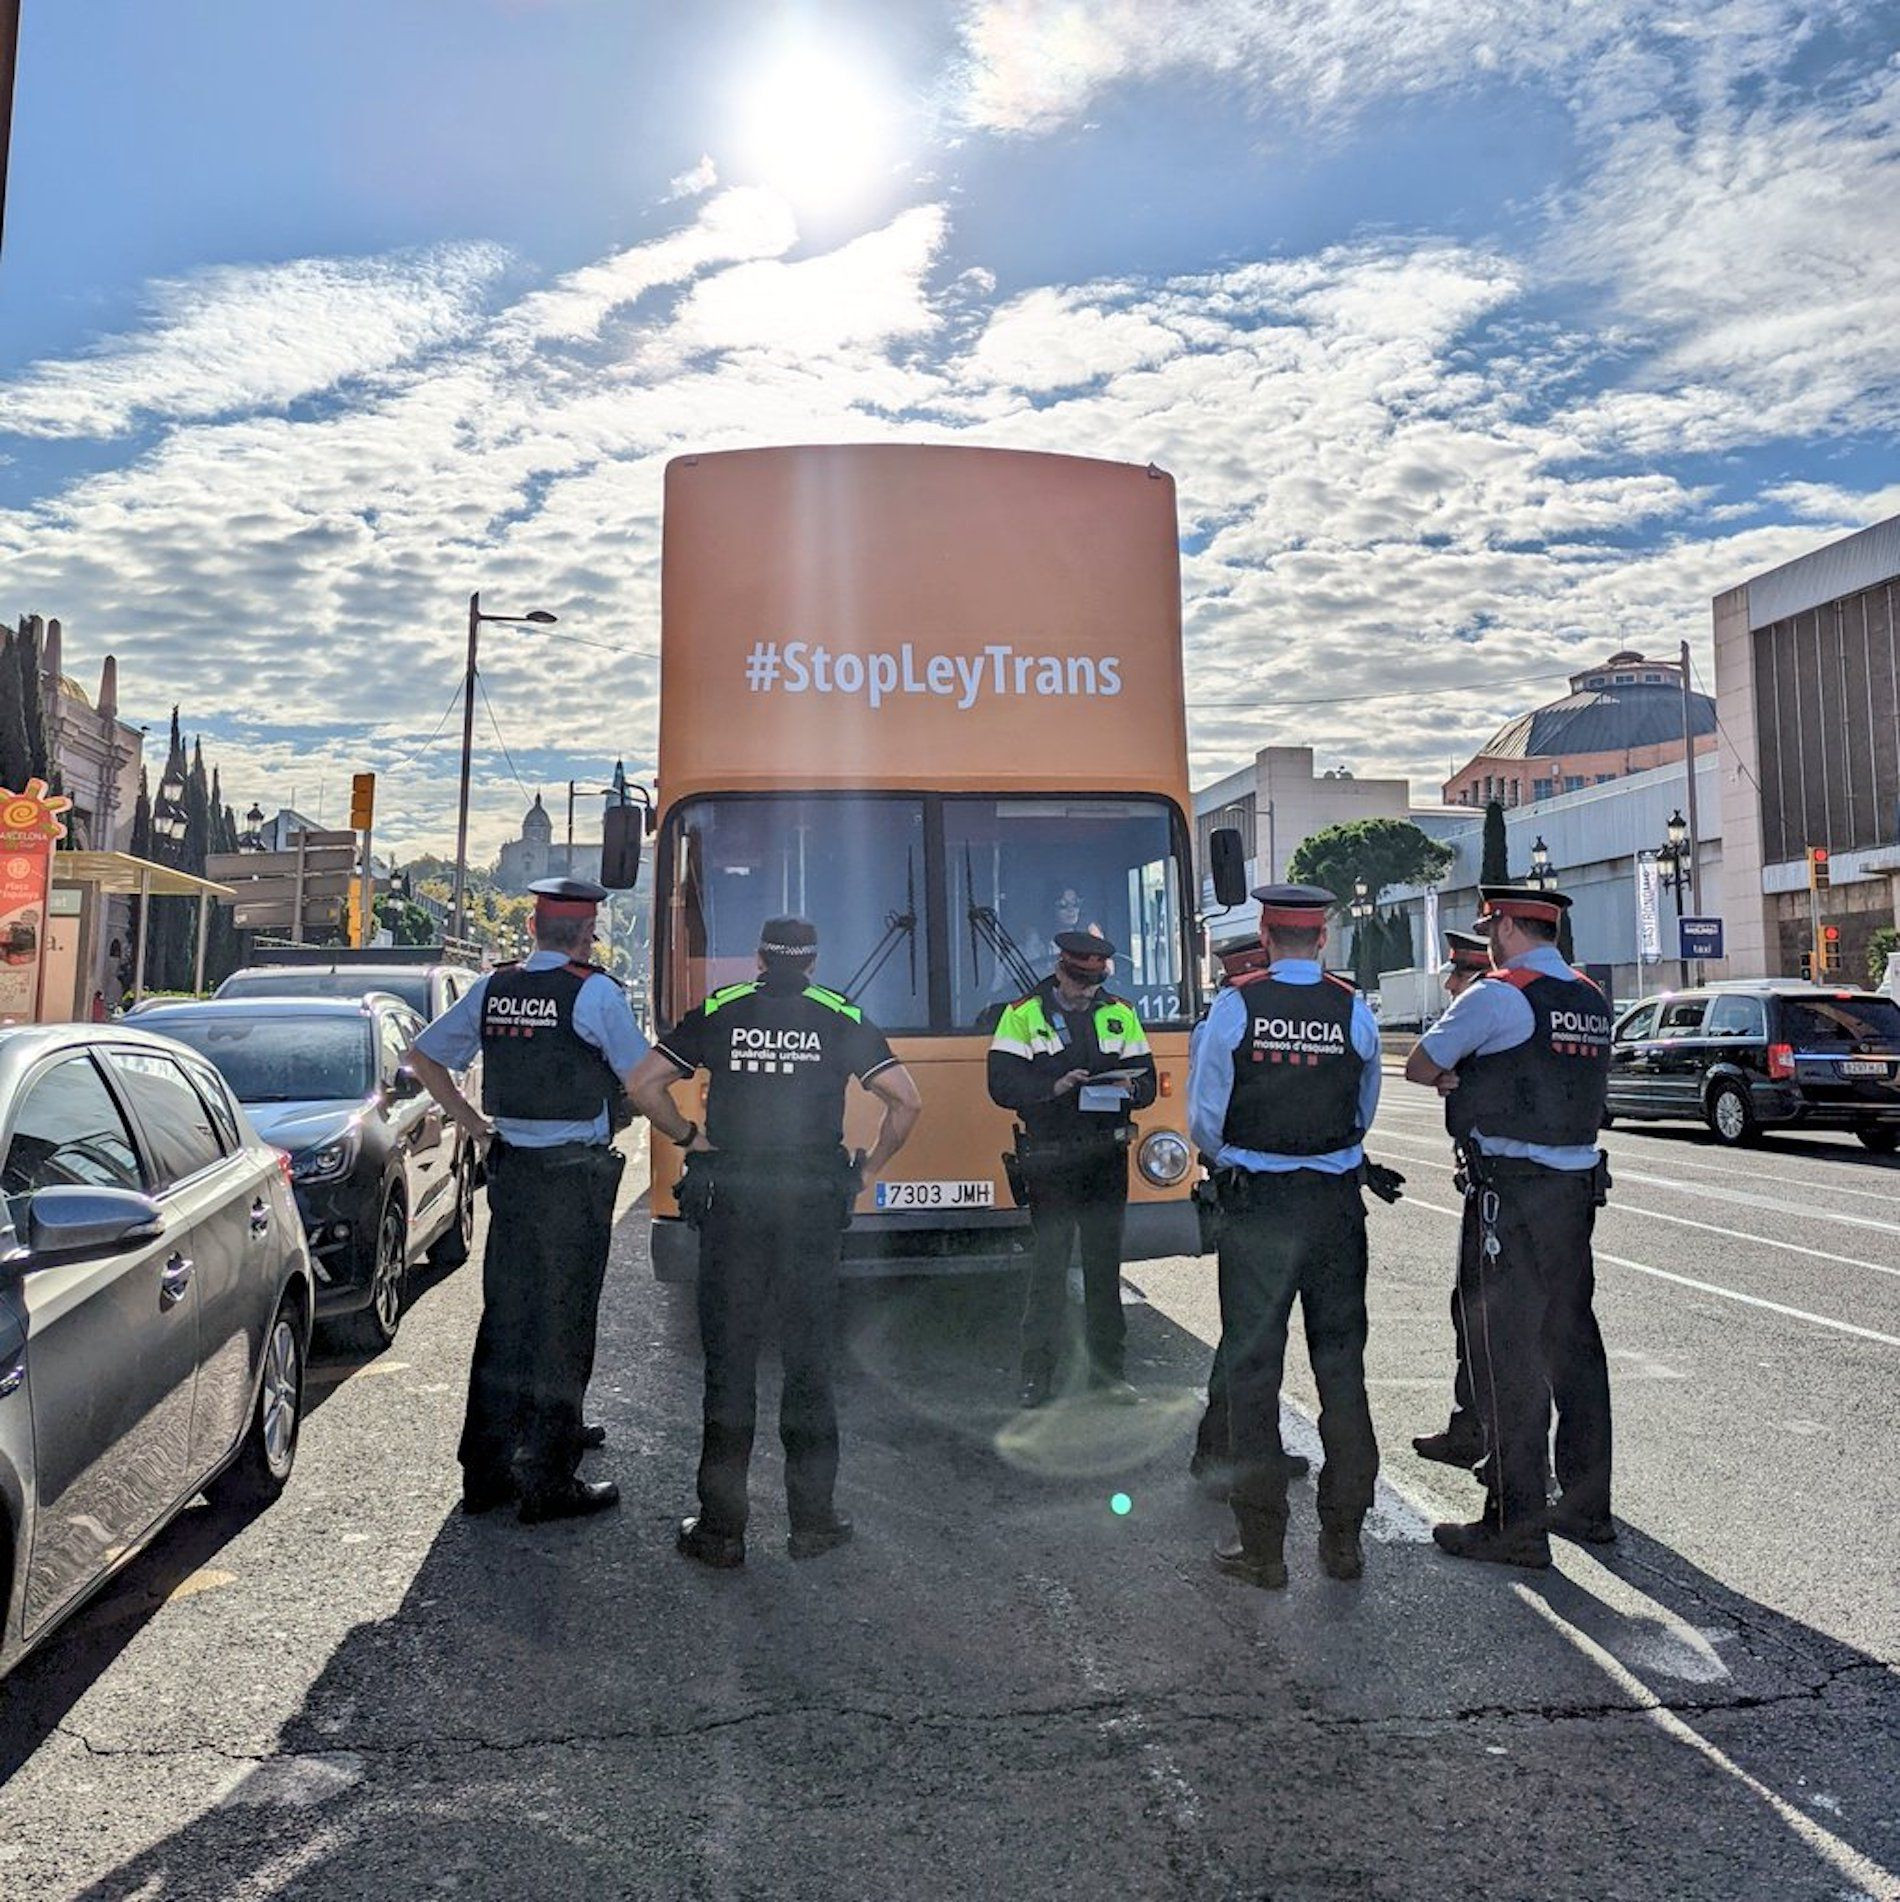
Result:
{"points": [[141, 849], [406, 923], [16, 760], [1398, 942], [26, 651], [1882, 943], [1381, 851], [1496, 866]]}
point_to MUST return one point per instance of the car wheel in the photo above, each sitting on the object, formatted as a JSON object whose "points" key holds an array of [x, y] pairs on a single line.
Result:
{"points": [[452, 1247], [375, 1327], [259, 1473], [1882, 1138], [1732, 1116]]}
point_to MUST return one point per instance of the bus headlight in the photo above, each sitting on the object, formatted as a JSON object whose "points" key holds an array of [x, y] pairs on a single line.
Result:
{"points": [[1163, 1158]]}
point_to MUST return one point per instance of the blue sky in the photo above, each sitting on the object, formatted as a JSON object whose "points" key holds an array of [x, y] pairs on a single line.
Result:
{"points": [[1481, 337]]}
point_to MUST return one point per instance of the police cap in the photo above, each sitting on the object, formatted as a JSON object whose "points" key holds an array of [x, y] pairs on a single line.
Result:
{"points": [[788, 938], [1468, 950], [1084, 944], [1521, 901], [566, 897], [1293, 907]]}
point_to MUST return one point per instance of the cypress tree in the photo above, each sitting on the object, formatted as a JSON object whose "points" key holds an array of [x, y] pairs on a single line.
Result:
{"points": [[141, 849], [26, 648], [1496, 866], [16, 763]]}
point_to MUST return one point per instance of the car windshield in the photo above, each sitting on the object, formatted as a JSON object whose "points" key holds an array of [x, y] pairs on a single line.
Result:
{"points": [[411, 986], [280, 1059], [1813, 1022]]}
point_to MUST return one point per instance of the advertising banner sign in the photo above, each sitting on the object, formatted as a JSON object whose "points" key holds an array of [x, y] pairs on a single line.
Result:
{"points": [[29, 824], [1431, 959], [1649, 911]]}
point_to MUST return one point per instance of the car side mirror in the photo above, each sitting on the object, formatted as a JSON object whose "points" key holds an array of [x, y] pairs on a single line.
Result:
{"points": [[66, 1224], [405, 1083], [620, 842], [1227, 860]]}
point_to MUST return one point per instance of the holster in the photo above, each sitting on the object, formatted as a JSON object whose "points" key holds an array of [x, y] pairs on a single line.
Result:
{"points": [[697, 1188], [1600, 1182], [620, 1112], [850, 1184], [1207, 1212], [1387, 1184], [1018, 1183]]}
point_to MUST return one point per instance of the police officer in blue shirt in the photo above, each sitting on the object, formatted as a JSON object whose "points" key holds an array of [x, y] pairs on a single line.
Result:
{"points": [[1467, 959], [558, 1043], [1281, 1090], [1523, 1061]]}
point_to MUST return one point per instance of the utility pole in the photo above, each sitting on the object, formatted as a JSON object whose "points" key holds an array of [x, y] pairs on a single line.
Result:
{"points": [[1695, 830], [9, 58]]}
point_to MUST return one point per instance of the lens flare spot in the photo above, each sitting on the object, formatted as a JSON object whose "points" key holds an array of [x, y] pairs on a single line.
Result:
{"points": [[1121, 1505]]}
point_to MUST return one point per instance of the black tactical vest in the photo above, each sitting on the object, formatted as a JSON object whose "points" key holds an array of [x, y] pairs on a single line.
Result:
{"points": [[534, 1065], [1296, 1073], [1550, 1088]]}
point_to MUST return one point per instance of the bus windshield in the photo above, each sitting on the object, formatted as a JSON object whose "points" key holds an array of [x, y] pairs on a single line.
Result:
{"points": [[931, 911]]}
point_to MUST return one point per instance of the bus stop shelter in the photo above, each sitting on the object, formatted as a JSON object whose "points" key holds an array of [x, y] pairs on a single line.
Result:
{"points": [[102, 875]]}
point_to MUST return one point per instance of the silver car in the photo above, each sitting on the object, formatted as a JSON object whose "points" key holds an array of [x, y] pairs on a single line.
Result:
{"points": [[155, 1309]]}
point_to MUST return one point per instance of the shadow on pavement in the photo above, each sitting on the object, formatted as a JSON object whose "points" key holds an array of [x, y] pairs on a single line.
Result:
{"points": [[1008, 1688]]}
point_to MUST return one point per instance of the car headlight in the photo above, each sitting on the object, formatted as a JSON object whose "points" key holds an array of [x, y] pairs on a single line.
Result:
{"points": [[1163, 1158], [325, 1162]]}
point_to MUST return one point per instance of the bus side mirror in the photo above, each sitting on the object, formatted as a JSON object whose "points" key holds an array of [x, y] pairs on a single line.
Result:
{"points": [[1228, 856], [620, 848]]}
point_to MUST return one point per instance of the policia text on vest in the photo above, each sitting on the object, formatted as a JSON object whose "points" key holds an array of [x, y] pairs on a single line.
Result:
{"points": [[769, 1188], [1073, 1062]]}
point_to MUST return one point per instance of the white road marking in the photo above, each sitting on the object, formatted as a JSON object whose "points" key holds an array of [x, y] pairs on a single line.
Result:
{"points": [[1620, 1207], [1872, 1880], [1705, 1287]]}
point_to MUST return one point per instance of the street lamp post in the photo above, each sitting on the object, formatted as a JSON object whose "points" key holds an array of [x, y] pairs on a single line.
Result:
{"points": [[538, 617], [1678, 854], [1540, 864], [1361, 910]]}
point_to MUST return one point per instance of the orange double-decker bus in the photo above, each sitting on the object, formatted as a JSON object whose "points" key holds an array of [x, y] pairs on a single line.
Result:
{"points": [[929, 698]]}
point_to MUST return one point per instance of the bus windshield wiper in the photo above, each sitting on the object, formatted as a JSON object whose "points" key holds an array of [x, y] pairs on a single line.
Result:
{"points": [[897, 924], [988, 930]]}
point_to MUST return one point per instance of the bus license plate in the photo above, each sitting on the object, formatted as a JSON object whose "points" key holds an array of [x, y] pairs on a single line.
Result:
{"points": [[936, 1195], [1863, 1069]]}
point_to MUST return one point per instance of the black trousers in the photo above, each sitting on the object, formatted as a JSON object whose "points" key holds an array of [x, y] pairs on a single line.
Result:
{"points": [[1533, 1338], [550, 1223], [1211, 1438], [769, 1246], [1297, 1234], [1465, 1420], [1079, 1200]]}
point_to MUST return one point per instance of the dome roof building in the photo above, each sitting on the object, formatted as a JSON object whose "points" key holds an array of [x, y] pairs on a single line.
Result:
{"points": [[1623, 716]]}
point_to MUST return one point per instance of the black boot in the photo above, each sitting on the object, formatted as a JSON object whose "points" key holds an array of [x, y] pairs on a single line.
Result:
{"points": [[1484, 1539], [1263, 1565], [1340, 1555], [1453, 1447], [815, 1540], [721, 1550], [576, 1500]]}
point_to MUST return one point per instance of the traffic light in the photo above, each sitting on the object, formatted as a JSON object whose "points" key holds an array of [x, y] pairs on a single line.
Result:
{"points": [[353, 915], [1807, 967], [1817, 868], [363, 802], [1830, 947]]}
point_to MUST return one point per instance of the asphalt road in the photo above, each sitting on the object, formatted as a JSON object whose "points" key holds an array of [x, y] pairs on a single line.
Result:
{"points": [[1005, 1688]]}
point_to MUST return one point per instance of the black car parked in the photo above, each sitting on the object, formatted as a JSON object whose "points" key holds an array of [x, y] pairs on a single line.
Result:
{"points": [[378, 1179], [1747, 1057]]}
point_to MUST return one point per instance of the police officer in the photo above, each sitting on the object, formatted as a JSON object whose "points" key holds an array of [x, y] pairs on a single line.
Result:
{"points": [[1522, 1059], [1467, 959], [1211, 1464], [1282, 1088], [774, 1187], [1072, 1149], [557, 1043]]}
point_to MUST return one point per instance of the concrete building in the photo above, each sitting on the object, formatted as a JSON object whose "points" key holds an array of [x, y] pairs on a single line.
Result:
{"points": [[1622, 717], [1280, 800], [535, 855], [1807, 682], [1594, 839]]}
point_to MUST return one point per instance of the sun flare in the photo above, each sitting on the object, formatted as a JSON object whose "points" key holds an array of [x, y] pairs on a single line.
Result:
{"points": [[817, 125]]}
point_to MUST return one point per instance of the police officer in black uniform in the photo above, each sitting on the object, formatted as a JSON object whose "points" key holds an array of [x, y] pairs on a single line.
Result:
{"points": [[1072, 1151], [1212, 1463], [558, 1044], [770, 1188], [1467, 959], [1523, 1061], [1282, 1087]]}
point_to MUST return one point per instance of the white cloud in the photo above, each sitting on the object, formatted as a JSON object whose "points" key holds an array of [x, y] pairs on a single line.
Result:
{"points": [[1050, 340], [255, 337], [693, 183]]}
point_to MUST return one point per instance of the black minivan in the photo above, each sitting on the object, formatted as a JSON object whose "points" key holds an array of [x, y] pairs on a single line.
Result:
{"points": [[1746, 1057]]}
